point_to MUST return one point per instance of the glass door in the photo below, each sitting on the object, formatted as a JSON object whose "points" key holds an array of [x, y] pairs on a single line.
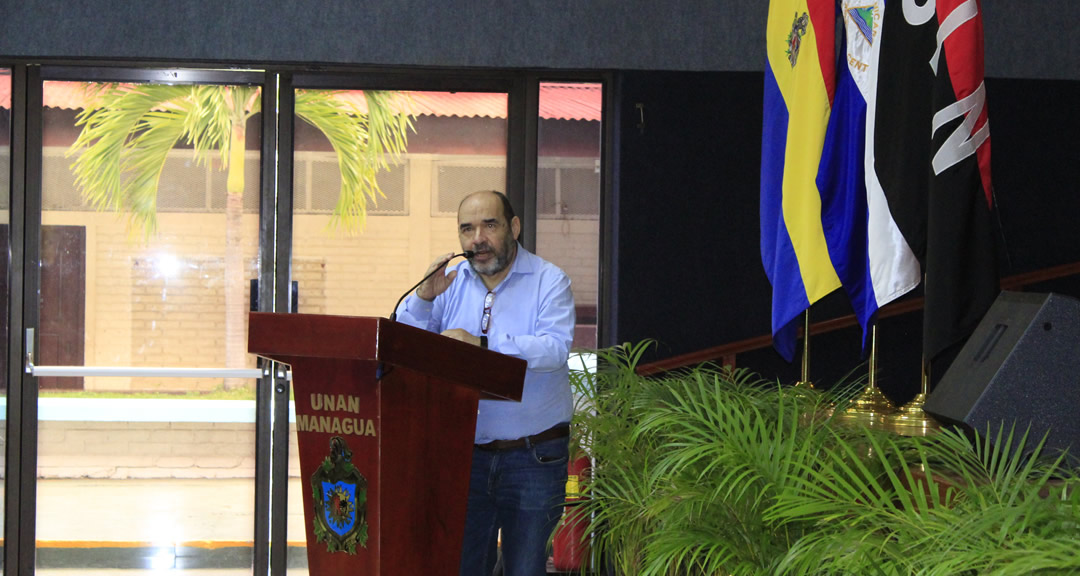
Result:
{"points": [[360, 242], [146, 396], [568, 185]]}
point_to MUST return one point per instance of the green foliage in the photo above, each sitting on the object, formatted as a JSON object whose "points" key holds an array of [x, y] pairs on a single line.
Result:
{"points": [[128, 131], [717, 471], [365, 143]]}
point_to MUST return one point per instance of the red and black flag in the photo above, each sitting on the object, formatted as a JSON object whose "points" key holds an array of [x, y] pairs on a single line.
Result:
{"points": [[932, 156]]}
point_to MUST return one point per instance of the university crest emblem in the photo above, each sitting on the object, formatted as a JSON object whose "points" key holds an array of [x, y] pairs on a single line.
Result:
{"points": [[794, 40], [340, 494]]}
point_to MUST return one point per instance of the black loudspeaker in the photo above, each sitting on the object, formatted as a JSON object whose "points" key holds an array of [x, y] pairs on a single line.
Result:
{"points": [[1020, 367]]}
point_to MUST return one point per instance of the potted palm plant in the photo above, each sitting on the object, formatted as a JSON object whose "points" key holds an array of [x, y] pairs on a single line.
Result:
{"points": [[716, 471]]}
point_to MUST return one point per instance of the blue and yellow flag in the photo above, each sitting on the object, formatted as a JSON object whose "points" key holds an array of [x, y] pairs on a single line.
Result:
{"points": [[799, 86]]}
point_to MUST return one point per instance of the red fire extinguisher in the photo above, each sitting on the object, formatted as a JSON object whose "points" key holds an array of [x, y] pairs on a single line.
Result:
{"points": [[569, 547]]}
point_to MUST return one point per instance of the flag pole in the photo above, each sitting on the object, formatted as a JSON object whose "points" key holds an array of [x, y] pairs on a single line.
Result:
{"points": [[871, 405], [805, 380]]}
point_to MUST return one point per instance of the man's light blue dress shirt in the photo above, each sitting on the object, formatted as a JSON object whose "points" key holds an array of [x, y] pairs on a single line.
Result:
{"points": [[532, 318]]}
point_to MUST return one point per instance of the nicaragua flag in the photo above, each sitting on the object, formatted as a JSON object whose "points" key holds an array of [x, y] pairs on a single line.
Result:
{"points": [[871, 256], [799, 84], [931, 141]]}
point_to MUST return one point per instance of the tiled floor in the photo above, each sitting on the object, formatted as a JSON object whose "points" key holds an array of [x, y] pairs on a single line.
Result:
{"points": [[172, 510], [205, 527]]}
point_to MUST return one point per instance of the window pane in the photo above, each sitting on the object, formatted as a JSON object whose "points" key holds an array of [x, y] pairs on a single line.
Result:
{"points": [[457, 146], [364, 271], [148, 472], [568, 192]]}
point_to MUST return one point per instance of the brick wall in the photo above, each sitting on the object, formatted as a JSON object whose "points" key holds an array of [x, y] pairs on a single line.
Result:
{"points": [[120, 450], [121, 438]]}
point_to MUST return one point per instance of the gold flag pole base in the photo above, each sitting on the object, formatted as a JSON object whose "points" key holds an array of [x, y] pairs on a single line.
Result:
{"points": [[871, 405], [868, 408], [911, 420]]}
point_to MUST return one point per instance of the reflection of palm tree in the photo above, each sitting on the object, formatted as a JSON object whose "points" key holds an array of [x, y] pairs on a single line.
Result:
{"points": [[128, 130]]}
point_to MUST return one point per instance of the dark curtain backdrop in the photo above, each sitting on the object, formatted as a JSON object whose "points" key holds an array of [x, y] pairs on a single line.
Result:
{"points": [[689, 273]]}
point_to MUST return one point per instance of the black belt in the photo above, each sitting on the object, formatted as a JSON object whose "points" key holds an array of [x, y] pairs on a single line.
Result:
{"points": [[557, 431]]}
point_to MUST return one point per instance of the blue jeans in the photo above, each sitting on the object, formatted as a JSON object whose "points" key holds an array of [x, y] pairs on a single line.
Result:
{"points": [[521, 491]]}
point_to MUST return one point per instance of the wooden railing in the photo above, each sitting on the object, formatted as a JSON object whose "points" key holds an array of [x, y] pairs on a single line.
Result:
{"points": [[726, 353]]}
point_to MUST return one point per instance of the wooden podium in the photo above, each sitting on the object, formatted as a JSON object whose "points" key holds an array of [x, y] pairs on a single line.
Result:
{"points": [[385, 417]]}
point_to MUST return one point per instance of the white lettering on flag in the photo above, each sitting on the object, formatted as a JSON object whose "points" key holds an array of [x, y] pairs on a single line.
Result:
{"points": [[962, 13], [961, 143]]}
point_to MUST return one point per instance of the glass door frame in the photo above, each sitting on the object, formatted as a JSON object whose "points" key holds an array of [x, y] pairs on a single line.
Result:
{"points": [[17, 482], [608, 241]]}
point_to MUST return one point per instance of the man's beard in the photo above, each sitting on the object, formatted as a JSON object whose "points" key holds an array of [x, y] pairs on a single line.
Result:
{"points": [[501, 261]]}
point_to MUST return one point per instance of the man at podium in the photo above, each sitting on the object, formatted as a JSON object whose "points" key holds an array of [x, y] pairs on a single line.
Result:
{"points": [[516, 303]]}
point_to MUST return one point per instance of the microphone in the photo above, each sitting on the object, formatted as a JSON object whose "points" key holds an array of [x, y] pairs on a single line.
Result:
{"points": [[467, 254]]}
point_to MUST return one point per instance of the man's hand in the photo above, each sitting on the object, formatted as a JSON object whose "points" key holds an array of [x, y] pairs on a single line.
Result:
{"points": [[438, 283], [459, 334]]}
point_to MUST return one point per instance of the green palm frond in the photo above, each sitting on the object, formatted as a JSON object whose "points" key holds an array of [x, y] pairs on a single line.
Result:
{"points": [[1015, 512], [128, 132], [615, 498], [365, 143], [729, 441], [716, 471]]}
